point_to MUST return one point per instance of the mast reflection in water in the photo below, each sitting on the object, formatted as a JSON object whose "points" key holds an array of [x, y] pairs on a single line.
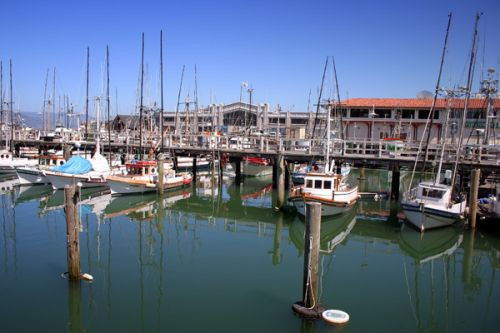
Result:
{"points": [[224, 254]]}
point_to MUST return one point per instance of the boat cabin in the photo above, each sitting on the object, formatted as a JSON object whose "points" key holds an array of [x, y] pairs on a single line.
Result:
{"points": [[436, 193], [141, 168], [5, 156], [321, 183]]}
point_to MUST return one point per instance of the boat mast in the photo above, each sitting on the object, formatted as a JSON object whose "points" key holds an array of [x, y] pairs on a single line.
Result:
{"points": [[108, 103], [319, 100], [338, 103], [98, 125], [11, 109], [87, 100], [467, 97], [327, 158], [196, 110], [141, 105], [1, 102], [54, 98], [438, 174], [161, 88], [178, 102], [436, 92], [432, 108]]}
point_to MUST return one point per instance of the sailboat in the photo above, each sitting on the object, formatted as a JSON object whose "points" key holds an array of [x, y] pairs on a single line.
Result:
{"points": [[90, 173], [433, 204]]}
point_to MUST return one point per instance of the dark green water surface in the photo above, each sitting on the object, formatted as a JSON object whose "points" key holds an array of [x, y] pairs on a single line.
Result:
{"points": [[222, 260]]}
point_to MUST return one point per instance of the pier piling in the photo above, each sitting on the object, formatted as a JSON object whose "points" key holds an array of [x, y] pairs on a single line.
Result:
{"points": [[194, 169], [395, 182], [71, 194], [280, 168], [237, 171], [161, 178], [474, 188], [309, 307]]}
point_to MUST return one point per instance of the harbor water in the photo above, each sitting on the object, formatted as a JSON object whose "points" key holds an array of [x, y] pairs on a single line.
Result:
{"points": [[221, 259]]}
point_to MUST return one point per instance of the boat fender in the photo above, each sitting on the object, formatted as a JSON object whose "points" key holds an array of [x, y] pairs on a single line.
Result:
{"points": [[335, 316], [309, 313]]}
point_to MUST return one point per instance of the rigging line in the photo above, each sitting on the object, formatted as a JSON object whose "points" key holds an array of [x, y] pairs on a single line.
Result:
{"points": [[178, 101], [467, 97], [338, 101], [433, 103], [436, 93], [319, 98]]}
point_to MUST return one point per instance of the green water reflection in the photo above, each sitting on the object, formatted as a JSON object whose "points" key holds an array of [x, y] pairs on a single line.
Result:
{"points": [[221, 259]]}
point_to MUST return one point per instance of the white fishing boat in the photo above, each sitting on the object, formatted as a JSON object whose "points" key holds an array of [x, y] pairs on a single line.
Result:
{"points": [[334, 195], [256, 167], [185, 163], [8, 163], [33, 175], [142, 177], [430, 205]]}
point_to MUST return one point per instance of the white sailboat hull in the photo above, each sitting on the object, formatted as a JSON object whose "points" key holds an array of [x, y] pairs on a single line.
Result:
{"points": [[31, 176], [59, 181], [424, 218]]}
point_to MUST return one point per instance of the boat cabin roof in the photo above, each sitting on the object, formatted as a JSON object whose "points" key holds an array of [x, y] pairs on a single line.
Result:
{"points": [[431, 185], [140, 164]]}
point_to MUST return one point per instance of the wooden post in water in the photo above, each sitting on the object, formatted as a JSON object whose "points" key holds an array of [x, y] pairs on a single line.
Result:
{"points": [[395, 182], [161, 178], [71, 194], [311, 254], [474, 188], [194, 169], [237, 171], [280, 200]]}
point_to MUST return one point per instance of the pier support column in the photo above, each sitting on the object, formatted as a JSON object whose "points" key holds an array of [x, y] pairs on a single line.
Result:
{"points": [[395, 182], [194, 169], [474, 188], [280, 166], [71, 194], [309, 307], [287, 175], [160, 177], [237, 170], [275, 173]]}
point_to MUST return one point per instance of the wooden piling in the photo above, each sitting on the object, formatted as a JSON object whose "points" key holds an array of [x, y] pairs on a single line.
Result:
{"points": [[161, 176], [474, 188], [194, 168], [71, 194], [395, 182], [237, 163], [280, 168], [311, 254]]}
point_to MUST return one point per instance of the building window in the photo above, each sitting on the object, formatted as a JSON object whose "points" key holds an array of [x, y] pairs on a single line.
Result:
{"points": [[299, 121], [359, 113], [408, 114], [382, 113], [424, 114]]}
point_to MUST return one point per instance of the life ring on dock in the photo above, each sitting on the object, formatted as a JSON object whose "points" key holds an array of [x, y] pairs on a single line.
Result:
{"points": [[309, 313]]}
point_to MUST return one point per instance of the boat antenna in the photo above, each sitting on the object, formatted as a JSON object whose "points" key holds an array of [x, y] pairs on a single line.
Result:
{"points": [[179, 101], [141, 105], [319, 99], [108, 103], [436, 93], [161, 88], [467, 97], [338, 103]]}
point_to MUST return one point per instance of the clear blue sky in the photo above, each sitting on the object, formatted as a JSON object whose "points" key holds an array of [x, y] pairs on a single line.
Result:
{"points": [[382, 48]]}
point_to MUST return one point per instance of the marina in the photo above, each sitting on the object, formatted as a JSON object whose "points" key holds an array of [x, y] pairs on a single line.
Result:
{"points": [[370, 204]]}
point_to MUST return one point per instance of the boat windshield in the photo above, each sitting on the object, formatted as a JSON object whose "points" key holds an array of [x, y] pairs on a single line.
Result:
{"points": [[432, 193]]}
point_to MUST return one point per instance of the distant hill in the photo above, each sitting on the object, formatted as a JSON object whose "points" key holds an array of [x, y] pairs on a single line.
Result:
{"points": [[35, 120]]}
